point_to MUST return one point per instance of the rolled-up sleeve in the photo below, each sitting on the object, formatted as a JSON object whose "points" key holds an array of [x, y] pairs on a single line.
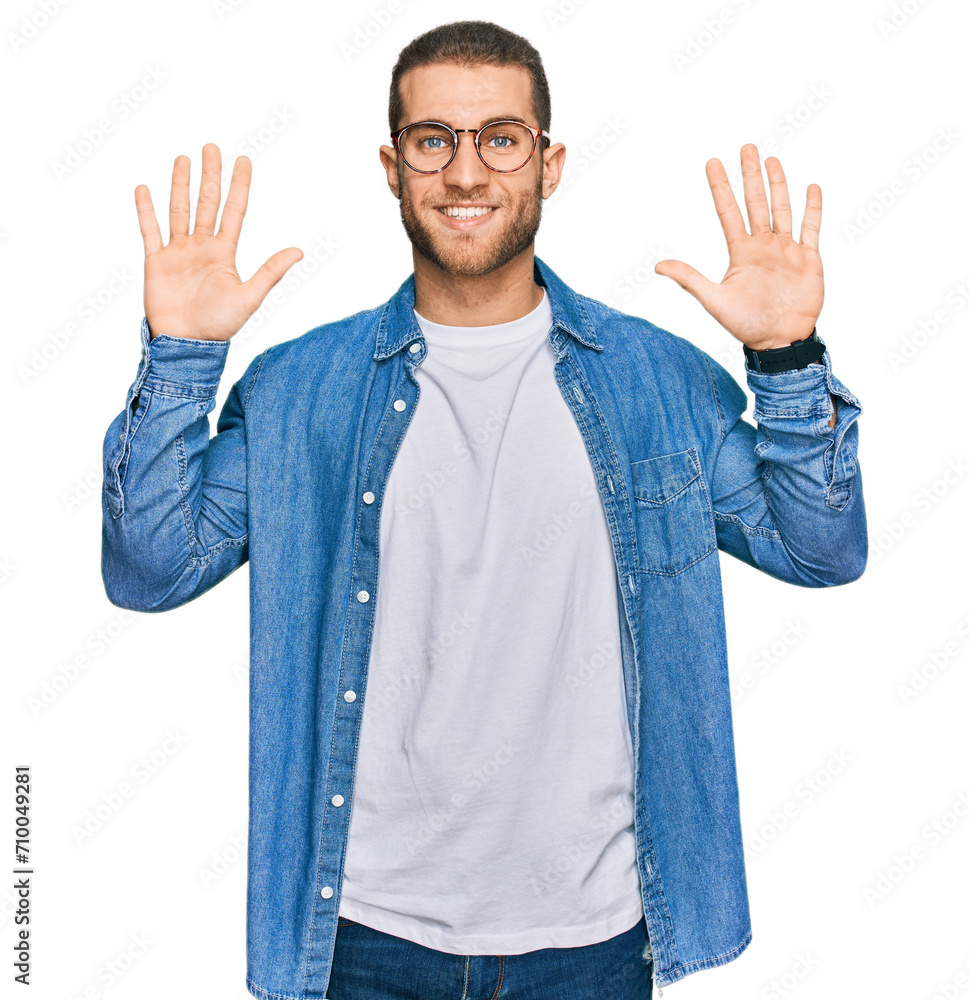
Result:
{"points": [[787, 493], [174, 509]]}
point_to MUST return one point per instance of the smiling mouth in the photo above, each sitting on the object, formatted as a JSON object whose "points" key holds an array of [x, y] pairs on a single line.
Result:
{"points": [[455, 212]]}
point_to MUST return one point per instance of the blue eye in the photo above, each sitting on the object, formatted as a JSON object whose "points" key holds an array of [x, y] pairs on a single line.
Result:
{"points": [[503, 141]]}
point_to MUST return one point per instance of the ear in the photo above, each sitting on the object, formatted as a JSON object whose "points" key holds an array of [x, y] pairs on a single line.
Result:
{"points": [[388, 157], [553, 164]]}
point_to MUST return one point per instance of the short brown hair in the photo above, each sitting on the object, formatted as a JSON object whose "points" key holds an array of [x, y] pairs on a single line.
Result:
{"points": [[472, 43]]}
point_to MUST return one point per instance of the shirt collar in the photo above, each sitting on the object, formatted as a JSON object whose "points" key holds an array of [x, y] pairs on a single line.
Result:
{"points": [[398, 325]]}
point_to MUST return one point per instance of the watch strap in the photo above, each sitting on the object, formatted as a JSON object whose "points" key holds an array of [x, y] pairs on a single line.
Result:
{"points": [[800, 354]]}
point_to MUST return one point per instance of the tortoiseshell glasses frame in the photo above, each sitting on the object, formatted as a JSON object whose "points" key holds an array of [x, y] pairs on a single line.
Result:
{"points": [[536, 134]]}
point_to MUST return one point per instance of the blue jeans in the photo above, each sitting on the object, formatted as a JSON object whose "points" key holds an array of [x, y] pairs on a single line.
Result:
{"points": [[371, 965]]}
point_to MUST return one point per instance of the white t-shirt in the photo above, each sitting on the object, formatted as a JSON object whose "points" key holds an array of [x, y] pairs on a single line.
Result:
{"points": [[492, 809]]}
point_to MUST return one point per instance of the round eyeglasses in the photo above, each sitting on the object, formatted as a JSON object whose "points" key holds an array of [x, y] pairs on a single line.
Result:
{"points": [[429, 147]]}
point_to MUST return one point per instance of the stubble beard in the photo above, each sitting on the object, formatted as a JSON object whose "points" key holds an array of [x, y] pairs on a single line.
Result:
{"points": [[473, 253]]}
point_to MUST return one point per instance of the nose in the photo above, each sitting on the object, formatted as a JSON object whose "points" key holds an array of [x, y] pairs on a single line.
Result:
{"points": [[466, 170]]}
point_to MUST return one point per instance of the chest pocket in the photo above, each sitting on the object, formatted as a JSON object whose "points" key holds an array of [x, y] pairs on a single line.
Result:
{"points": [[674, 522]]}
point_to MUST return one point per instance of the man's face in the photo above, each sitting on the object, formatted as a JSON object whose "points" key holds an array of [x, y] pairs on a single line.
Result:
{"points": [[468, 97]]}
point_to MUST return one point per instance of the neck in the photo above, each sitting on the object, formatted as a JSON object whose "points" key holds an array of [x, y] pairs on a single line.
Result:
{"points": [[476, 300]]}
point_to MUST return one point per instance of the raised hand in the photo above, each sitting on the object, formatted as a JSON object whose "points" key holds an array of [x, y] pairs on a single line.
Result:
{"points": [[772, 292], [192, 287]]}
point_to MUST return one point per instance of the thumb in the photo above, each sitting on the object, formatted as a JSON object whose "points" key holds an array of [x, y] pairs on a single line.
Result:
{"points": [[260, 284], [686, 277]]}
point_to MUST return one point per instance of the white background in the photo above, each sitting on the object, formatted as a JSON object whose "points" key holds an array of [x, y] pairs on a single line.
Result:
{"points": [[826, 670]]}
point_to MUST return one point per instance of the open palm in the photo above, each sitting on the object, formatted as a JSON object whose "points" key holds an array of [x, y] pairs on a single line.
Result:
{"points": [[773, 289], [192, 287]]}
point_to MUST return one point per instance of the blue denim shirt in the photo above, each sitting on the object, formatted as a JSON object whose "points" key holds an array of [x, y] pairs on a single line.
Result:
{"points": [[293, 482]]}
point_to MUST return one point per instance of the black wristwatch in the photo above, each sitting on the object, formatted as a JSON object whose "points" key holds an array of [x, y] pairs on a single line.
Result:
{"points": [[800, 354]]}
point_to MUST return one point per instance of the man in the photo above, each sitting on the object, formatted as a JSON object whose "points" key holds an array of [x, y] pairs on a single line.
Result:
{"points": [[538, 797]]}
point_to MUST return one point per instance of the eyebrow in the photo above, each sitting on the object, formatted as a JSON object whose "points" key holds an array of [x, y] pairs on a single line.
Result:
{"points": [[484, 121]]}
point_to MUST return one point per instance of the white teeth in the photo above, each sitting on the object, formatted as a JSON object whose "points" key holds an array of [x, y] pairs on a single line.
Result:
{"points": [[465, 213]]}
